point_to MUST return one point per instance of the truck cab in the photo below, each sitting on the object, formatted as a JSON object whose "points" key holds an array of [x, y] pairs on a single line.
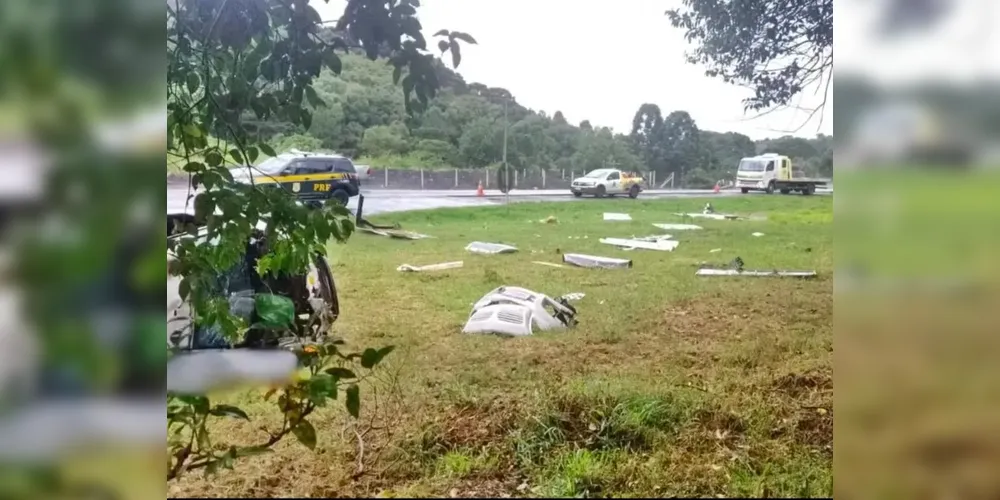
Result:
{"points": [[607, 182], [770, 172]]}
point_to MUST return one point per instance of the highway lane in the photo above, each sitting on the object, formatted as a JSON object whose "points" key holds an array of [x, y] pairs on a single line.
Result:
{"points": [[398, 200]]}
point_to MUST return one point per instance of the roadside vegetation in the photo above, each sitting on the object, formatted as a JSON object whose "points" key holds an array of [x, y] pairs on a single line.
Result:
{"points": [[670, 385]]}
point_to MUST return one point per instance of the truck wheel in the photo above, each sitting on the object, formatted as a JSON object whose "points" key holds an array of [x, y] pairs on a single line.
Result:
{"points": [[601, 191], [633, 192], [809, 190], [785, 191], [770, 188], [341, 196], [578, 193], [744, 190]]}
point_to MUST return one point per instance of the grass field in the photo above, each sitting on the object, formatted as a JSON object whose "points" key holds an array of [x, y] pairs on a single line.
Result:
{"points": [[670, 385]]}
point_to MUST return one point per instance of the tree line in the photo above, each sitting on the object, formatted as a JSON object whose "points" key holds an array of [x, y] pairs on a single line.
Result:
{"points": [[364, 116]]}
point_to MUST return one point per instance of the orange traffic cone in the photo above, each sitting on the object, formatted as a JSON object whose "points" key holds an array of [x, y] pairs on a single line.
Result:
{"points": [[479, 190], [716, 189]]}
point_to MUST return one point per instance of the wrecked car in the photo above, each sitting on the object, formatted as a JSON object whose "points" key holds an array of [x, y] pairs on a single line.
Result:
{"points": [[313, 294], [517, 312]]}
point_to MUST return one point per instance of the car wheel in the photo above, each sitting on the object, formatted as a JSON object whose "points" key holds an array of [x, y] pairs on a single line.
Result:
{"points": [[601, 191], [341, 196], [744, 190], [578, 193], [785, 191], [633, 192]]}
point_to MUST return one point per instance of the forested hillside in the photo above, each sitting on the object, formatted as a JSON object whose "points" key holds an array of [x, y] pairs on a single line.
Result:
{"points": [[364, 117]]}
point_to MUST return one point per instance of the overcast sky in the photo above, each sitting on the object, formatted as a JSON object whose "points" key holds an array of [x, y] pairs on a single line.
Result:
{"points": [[598, 60]]}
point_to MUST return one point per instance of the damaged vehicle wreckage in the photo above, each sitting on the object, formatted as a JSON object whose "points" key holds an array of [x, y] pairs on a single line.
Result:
{"points": [[513, 311]]}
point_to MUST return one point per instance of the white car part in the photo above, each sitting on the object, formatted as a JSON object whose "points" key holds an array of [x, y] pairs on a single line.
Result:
{"points": [[734, 272], [550, 264], [616, 216], [489, 248], [594, 261], [711, 216], [663, 245], [516, 311], [430, 267], [677, 227]]}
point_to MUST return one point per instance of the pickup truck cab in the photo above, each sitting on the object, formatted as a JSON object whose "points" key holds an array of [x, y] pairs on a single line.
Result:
{"points": [[607, 182], [772, 172]]}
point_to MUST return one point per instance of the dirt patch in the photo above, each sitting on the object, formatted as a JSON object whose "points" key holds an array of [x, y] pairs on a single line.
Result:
{"points": [[483, 488], [470, 426], [815, 428], [800, 385]]}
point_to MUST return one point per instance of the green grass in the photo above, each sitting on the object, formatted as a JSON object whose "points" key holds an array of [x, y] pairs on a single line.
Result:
{"points": [[670, 385]]}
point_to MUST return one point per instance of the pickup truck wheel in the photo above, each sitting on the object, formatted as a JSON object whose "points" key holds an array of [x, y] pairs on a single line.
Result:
{"points": [[770, 188], [341, 196], [808, 190], [744, 190], [785, 191], [633, 192], [601, 191], [578, 193]]}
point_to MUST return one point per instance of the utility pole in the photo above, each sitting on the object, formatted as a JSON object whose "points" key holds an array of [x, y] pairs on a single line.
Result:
{"points": [[506, 171]]}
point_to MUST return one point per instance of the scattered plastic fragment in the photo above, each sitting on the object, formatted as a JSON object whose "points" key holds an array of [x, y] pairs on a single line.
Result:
{"points": [[662, 245], [677, 227], [395, 233], [757, 234], [594, 261], [711, 216], [430, 267], [736, 272], [550, 220], [550, 264], [714, 250], [616, 216], [516, 311], [489, 248]]}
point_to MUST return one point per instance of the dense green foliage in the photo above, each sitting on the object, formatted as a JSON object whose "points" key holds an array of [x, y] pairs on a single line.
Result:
{"points": [[462, 127]]}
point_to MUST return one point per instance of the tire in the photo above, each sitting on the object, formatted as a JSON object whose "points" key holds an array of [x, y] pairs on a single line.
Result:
{"points": [[785, 191], [770, 188], [744, 190], [601, 191], [577, 193], [633, 192], [808, 190], [341, 197]]}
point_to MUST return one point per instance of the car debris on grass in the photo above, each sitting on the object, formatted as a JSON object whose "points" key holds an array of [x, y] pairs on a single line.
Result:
{"points": [[736, 268], [489, 248], [430, 267], [596, 262], [710, 216], [517, 312], [659, 244], [677, 227], [395, 233], [550, 264], [757, 234], [616, 216]]}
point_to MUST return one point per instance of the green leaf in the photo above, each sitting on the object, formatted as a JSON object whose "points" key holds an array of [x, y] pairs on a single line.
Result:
{"points": [[372, 357], [353, 401], [213, 158], [306, 434], [396, 73], [252, 451], [274, 311], [193, 167], [267, 149], [332, 61], [340, 373], [443, 45], [252, 154], [313, 98], [193, 82], [229, 411], [441, 33], [204, 205], [192, 130], [465, 37], [184, 289], [307, 118], [237, 157]]}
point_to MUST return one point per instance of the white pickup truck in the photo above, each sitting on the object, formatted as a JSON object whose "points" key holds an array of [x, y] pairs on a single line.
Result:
{"points": [[607, 182]]}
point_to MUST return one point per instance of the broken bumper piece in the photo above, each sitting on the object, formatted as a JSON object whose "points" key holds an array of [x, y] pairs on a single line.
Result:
{"points": [[489, 248], [596, 262], [735, 272], [517, 312]]}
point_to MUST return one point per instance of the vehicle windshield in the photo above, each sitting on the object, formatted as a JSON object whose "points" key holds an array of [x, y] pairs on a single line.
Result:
{"points": [[274, 165], [596, 174], [752, 165]]}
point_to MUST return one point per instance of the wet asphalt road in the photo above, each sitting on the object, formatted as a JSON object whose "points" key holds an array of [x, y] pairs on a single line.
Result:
{"points": [[386, 200]]}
